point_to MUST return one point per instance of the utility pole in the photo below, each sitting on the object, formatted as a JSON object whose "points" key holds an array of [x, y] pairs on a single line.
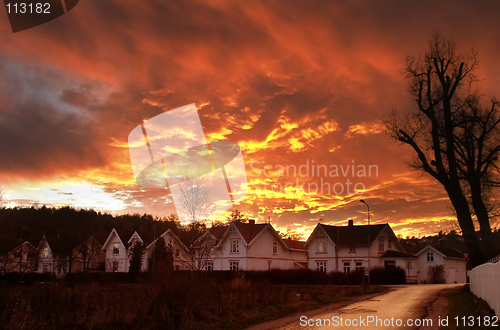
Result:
{"points": [[369, 242]]}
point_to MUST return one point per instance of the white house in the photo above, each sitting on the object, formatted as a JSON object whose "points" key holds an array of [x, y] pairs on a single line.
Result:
{"points": [[247, 246], [45, 257], [117, 258], [119, 243], [348, 248], [455, 268]]}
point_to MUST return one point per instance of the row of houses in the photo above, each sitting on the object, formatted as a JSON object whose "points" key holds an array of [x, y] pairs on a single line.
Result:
{"points": [[245, 246]]}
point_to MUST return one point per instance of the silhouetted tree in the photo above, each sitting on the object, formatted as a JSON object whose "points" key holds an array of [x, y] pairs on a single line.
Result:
{"points": [[236, 215], [136, 255], [436, 82], [163, 255]]}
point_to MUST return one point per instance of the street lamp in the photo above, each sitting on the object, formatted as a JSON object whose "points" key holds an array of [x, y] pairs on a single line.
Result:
{"points": [[363, 201], [369, 242]]}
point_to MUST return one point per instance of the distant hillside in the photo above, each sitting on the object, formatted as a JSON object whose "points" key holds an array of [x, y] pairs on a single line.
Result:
{"points": [[69, 226]]}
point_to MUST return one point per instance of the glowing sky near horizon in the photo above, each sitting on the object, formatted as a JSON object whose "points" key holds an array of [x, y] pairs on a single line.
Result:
{"points": [[292, 82]]}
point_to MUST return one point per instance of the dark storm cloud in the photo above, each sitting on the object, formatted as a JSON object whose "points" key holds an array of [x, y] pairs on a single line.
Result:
{"points": [[40, 136]]}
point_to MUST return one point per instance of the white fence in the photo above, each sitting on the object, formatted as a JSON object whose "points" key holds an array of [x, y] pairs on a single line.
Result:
{"points": [[485, 283]]}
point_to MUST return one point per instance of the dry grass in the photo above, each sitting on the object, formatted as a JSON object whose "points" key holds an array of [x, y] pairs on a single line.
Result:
{"points": [[181, 302]]}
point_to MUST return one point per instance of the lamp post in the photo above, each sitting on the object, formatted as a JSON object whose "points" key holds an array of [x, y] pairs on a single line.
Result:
{"points": [[369, 242]]}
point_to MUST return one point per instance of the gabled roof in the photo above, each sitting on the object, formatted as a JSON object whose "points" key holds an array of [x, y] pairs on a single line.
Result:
{"points": [[295, 245], [216, 232], [43, 241], [250, 230], [150, 245], [115, 232], [397, 254], [352, 235], [445, 252]]}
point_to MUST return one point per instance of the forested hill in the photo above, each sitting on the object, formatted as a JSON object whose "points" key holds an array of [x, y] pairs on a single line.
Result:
{"points": [[66, 227]]}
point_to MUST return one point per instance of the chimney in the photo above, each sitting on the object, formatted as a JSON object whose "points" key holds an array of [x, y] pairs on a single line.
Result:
{"points": [[350, 223], [251, 221]]}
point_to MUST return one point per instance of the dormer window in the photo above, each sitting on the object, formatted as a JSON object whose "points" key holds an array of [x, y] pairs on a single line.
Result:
{"points": [[352, 249], [389, 244], [46, 253]]}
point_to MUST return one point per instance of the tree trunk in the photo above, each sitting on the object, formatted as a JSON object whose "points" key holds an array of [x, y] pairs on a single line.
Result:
{"points": [[461, 206], [488, 244]]}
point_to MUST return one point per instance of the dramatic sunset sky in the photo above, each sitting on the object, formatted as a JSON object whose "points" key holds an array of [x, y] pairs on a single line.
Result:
{"points": [[291, 82]]}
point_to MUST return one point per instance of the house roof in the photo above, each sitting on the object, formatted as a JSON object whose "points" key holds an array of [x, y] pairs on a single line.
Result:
{"points": [[293, 244], [217, 232], [250, 230], [174, 235], [445, 251], [353, 235], [397, 254], [13, 245]]}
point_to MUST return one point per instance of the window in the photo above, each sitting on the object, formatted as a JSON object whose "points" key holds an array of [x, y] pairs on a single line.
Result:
{"points": [[17, 254], [45, 253], [269, 262], [116, 248], [210, 266], [234, 266], [234, 246], [381, 245], [59, 269], [430, 256], [321, 245], [409, 265], [352, 249], [177, 252], [347, 267], [359, 265], [275, 248], [390, 264], [389, 244], [321, 266], [44, 269], [115, 266]]}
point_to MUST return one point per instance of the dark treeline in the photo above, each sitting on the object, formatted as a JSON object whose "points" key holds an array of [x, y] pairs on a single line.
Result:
{"points": [[67, 227]]}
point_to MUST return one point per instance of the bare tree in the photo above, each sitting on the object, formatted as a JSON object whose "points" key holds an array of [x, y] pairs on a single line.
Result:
{"points": [[194, 196], [88, 255], [477, 143], [205, 249], [436, 82]]}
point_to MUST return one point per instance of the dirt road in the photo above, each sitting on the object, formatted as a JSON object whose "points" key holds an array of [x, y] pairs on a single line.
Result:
{"points": [[405, 307]]}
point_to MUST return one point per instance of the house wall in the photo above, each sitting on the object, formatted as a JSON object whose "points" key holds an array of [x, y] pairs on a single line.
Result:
{"points": [[227, 256], [260, 254], [424, 265], [345, 255], [455, 270], [329, 256]]}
